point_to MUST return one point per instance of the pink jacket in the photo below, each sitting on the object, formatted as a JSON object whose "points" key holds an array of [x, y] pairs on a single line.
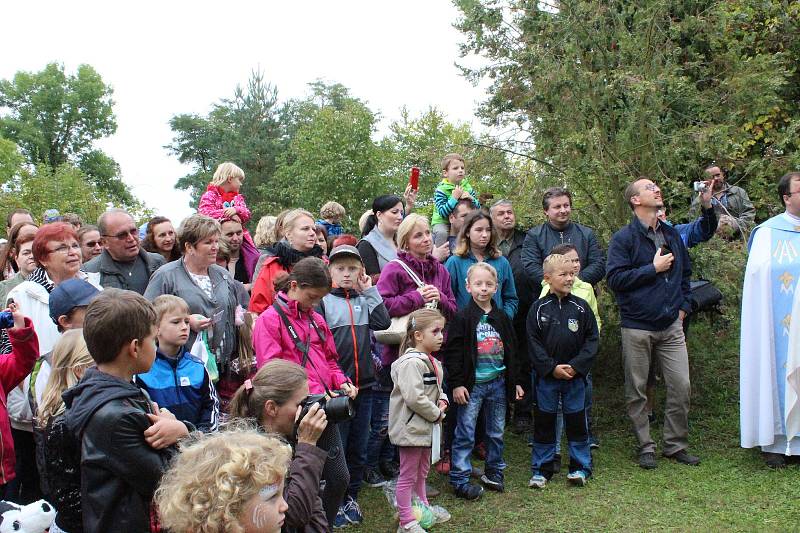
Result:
{"points": [[211, 205], [271, 340]]}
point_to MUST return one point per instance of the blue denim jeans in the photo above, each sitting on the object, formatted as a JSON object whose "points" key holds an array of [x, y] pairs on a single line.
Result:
{"points": [[379, 449], [588, 405], [355, 439], [572, 396], [492, 397]]}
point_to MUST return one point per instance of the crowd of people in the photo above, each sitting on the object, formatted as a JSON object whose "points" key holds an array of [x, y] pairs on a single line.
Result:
{"points": [[203, 379]]}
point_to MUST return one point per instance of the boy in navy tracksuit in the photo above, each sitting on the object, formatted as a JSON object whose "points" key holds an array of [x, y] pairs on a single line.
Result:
{"points": [[351, 310], [562, 340], [178, 381]]}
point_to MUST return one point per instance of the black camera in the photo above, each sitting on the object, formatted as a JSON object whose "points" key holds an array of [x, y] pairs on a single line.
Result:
{"points": [[6, 320], [337, 409]]}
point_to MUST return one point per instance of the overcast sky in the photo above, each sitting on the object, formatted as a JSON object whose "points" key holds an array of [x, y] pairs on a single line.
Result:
{"points": [[169, 57]]}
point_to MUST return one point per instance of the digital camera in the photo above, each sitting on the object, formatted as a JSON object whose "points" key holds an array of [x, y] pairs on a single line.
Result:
{"points": [[700, 186], [6, 320], [337, 409]]}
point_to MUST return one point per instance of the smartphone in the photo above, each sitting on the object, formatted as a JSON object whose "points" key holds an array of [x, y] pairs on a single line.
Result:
{"points": [[665, 250], [414, 178]]}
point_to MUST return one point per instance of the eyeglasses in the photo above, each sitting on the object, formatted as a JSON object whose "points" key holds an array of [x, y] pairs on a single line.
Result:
{"points": [[122, 235], [791, 193], [651, 187], [66, 249], [92, 244]]}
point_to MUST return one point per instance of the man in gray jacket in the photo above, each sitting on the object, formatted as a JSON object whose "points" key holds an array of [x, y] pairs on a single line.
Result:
{"points": [[123, 264], [559, 229], [735, 211]]}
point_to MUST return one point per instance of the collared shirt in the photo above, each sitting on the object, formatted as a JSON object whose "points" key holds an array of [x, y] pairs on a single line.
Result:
{"points": [[657, 236], [505, 244]]}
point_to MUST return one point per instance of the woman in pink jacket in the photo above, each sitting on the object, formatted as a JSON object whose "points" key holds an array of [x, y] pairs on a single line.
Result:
{"points": [[290, 329]]}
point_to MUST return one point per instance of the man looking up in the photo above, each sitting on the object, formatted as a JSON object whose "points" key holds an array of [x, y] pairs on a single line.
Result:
{"points": [[123, 264], [648, 270]]}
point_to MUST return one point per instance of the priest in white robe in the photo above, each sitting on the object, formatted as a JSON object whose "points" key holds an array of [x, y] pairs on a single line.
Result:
{"points": [[770, 339]]}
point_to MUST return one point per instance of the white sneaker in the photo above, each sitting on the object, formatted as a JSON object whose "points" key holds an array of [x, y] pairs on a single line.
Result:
{"points": [[440, 514], [411, 527], [537, 482]]}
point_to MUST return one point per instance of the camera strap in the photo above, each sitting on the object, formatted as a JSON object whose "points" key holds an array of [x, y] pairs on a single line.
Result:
{"points": [[304, 347]]}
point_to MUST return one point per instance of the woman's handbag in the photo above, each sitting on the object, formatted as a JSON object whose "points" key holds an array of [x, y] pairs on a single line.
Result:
{"points": [[395, 333]]}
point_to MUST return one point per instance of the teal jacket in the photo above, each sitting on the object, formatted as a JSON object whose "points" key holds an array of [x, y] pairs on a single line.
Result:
{"points": [[506, 295]]}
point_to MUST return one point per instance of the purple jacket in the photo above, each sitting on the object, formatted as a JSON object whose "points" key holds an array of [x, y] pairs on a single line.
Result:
{"points": [[400, 294]]}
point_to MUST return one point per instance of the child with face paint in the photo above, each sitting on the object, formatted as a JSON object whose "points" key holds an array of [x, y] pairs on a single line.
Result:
{"points": [[228, 481], [416, 411]]}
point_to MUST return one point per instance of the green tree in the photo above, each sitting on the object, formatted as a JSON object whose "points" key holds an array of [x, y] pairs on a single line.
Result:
{"points": [[331, 154], [246, 129], [55, 118], [602, 92]]}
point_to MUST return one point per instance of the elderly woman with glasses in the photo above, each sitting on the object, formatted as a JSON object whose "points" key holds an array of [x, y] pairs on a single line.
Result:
{"points": [[58, 254], [123, 264]]}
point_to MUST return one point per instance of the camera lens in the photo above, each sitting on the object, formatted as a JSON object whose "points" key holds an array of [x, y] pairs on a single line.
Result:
{"points": [[339, 409]]}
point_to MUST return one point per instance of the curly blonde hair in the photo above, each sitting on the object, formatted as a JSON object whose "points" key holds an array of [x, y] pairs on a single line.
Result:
{"points": [[207, 486]]}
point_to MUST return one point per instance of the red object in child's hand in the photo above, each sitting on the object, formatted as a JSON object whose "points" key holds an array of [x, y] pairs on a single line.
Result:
{"points": [[414, 179]]}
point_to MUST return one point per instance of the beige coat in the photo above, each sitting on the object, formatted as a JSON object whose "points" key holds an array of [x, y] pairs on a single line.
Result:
{"points": [[413, 406]]}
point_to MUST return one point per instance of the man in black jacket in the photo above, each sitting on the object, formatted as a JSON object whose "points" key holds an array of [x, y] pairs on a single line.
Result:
{"points": [[510, 241], [559, 229], [649, 270], [125, 444]]}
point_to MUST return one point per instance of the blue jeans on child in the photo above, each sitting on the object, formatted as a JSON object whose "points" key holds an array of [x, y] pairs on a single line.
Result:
{"points": [[492, 397], [355, 439], [572, 395], [379, 449]]}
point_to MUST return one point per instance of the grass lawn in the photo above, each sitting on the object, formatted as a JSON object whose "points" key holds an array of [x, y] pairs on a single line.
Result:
{"points": [[730, 491]]}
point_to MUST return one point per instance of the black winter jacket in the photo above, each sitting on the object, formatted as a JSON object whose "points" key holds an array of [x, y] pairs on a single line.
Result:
{"points": [[61, 469], [541, 239], [562, 332], [351, 316], [119, 470], [648, 300], [461, 351], [522, 280]]}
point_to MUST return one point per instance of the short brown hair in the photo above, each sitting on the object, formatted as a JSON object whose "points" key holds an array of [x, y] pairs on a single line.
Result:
{"points": [[630, 191], [332, 209], [196, 228], [115, 318], [449, 158], [554, 192]]}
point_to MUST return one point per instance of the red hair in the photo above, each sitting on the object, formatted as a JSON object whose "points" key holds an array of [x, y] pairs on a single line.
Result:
{"points": [[56, 231], [346, 239]]}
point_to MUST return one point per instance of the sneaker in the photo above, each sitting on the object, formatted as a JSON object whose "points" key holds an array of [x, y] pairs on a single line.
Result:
{"points": [[647, 460], [593, 443], [479, 452], [431, 491], [468, 491], [341, 520], [443, 466], [389, 469], [440, 514], [557, 463], [411, 527], [774, 460], [683, 457], [537, 482], [577, 478], [493, 481], [373, 478], [352, 511]]}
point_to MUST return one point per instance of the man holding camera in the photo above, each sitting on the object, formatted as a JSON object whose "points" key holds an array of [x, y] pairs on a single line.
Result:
{"points": [[734, 209], [648, 269]]}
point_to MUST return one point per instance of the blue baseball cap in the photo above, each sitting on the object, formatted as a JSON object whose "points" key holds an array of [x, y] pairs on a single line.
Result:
{"points": [[70, 294]]}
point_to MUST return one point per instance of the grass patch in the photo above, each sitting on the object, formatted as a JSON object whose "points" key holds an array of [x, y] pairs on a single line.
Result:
{"points": [[731, 490]]}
